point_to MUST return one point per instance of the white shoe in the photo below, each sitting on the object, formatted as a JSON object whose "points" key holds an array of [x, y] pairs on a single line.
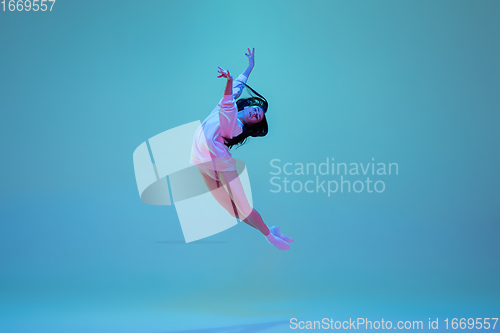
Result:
{"points": [[278, 242], [276, 232]]}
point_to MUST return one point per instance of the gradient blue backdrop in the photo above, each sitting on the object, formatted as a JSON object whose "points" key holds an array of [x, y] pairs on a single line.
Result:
{"points": [[409, 82]]}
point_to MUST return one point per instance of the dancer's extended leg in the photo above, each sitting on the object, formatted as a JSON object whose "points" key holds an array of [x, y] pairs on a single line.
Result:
{"points": [[232, 183], [223, 198]]}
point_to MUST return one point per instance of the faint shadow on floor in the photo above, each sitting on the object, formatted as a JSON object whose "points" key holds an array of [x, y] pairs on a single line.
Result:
{"points": [[195, 242], [250, 328]]}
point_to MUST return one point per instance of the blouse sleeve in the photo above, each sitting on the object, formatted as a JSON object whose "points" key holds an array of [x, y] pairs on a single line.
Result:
{"points": [[238, 85], [228, 116]]}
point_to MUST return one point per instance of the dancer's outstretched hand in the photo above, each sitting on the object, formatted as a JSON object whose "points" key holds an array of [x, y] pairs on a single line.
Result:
{"points": [[224, 73], [250, 56]]}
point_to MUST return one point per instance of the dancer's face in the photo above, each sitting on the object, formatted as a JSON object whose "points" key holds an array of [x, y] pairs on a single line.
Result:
{"points": [[252, 115]]}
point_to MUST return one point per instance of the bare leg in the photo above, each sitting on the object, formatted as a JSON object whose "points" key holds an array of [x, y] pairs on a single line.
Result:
{"points": [[223, 198], [233, 185], [230, 194]]}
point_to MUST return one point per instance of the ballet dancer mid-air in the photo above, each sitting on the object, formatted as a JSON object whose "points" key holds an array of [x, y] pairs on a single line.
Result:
{"points": [[230, 124]]}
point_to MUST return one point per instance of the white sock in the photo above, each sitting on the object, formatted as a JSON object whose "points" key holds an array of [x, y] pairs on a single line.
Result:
{"points": [[276, 232], [278, 242]]}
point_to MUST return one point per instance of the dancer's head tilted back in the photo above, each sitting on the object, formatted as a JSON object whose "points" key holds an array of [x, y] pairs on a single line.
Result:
{"points": [[251, 112]]}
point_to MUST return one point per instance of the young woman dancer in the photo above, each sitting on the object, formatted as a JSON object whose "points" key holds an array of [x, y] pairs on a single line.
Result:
{"points": [[227, 125]]}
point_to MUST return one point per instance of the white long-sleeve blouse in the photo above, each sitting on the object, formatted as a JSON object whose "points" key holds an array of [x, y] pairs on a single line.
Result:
{"points": [[208, 149]]}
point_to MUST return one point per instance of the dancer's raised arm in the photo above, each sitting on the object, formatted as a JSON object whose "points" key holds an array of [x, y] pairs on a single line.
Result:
{"points": [[229, 84], [228, 113], [238, 83], [251, 62]]}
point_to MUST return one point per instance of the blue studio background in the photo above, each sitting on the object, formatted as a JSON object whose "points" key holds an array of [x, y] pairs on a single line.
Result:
{"points": [[409, 82]]}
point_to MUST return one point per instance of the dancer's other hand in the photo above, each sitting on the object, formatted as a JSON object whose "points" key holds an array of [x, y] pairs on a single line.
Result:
{"points": [[250, 56], [224, 73]]}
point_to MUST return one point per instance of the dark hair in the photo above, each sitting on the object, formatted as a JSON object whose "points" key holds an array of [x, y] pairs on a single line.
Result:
{"points": [[258, 129]]}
